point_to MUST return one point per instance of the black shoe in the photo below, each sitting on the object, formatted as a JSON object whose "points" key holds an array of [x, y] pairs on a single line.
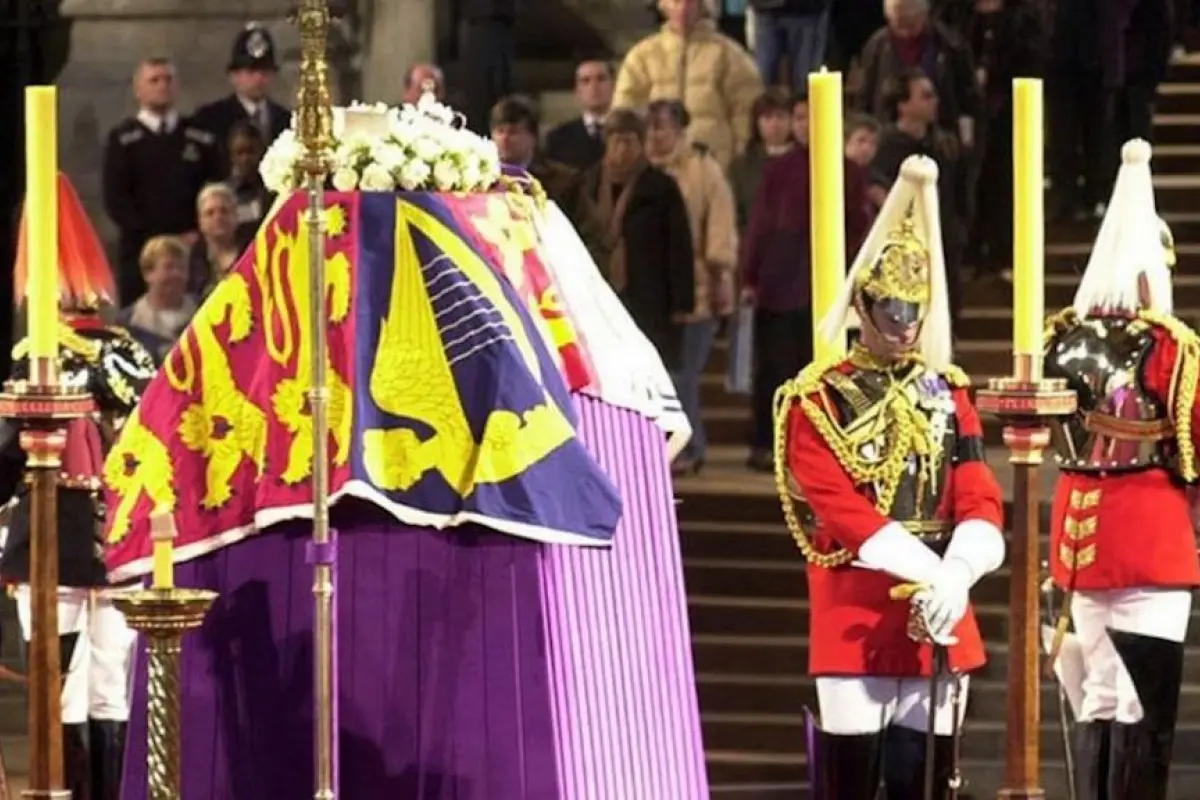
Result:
{"points": [[76, 765], [107, 745], [1140, 760], [1090, 747], [843, 767], [904, 764]]}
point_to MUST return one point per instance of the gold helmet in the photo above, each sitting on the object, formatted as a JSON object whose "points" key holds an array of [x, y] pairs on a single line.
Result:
{"points": [[894, 291]]}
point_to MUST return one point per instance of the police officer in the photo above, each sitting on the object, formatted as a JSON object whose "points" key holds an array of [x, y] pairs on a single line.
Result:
{"points": [[155, 164], [252, 69]]}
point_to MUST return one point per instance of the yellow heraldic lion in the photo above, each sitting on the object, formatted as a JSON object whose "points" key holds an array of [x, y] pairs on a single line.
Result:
{"points": [[140, 464], [224, 425], [288, 302]]}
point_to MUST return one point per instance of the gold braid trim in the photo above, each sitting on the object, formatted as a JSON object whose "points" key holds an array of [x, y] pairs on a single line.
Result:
{"points": [[901, 432], [956, 377], [69, 340], [1181, 397]]}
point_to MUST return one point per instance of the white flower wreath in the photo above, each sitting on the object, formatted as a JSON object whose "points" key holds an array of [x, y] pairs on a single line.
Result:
{"points": [[422, 147]]}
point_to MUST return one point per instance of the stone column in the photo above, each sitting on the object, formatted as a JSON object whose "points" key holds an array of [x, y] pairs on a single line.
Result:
{"points": [[398, 33]]}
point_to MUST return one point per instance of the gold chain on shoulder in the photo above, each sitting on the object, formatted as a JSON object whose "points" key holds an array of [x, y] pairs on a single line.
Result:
{"points": [[1182, 392], [885, 475]]}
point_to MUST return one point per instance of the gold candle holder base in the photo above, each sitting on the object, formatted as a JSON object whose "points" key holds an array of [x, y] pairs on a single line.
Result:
{"points": [[1026, 403], [163, 616]]}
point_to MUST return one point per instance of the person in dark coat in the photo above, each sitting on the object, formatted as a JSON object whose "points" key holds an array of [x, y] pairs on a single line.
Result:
{"points": [[634, 222], [1145, 56], [1080, 162], [154, 165], [488, 35], [1008, 39], [913, 103], [252, 69], [912, 38], [579, 142], [776, 276]]}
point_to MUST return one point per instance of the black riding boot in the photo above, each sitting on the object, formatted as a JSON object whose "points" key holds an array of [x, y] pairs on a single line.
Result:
{"points": [[76, 766], [1090, 748], [843, 767], [107, 743], [904, 764], [1140, 761]]}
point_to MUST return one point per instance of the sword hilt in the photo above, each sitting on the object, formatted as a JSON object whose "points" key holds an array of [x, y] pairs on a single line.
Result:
{"points": [[906, 591]]}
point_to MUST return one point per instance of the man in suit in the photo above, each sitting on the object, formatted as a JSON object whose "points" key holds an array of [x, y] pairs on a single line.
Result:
{"points": [[252, 69], [580, 142]]}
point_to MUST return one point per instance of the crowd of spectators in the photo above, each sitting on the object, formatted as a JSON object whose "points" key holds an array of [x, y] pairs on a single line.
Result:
{"points": [[686, 168]]}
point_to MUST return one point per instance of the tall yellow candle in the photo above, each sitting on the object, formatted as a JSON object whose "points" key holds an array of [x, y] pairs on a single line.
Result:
{"points": [[162, 533], [1029, 285], [827, 202], [41, 210]]}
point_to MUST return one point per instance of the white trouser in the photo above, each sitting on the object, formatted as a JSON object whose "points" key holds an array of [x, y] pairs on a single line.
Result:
{"points": [[1108, 691], [865, 705], [96, 683]]}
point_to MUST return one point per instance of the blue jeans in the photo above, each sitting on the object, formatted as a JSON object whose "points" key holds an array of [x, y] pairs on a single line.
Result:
{"points": [[802, 37], [697, 346]]}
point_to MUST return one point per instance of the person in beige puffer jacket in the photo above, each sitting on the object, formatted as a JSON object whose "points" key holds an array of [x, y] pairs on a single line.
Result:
{"points": [[713, 223], [690, 61]]}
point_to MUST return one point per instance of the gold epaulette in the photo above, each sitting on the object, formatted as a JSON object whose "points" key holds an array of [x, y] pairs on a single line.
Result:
{"points": [[884, 474], [956, 377], [68, 339], [1057, 323], [1181, 396]]}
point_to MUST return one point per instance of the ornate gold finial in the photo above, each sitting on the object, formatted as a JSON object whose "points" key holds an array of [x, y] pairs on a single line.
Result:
{"points": [[901, 270], [314, 102]]}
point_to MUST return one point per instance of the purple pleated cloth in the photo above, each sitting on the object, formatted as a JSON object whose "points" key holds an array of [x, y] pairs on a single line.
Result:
{"points": [[444, 691], [626, 713]]}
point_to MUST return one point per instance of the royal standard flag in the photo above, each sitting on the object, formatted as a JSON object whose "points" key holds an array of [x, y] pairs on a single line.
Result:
{"points": [[445, 375]]}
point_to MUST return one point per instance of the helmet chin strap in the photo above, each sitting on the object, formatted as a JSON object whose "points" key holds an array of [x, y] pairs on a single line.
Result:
{"points": [[875, 340]]}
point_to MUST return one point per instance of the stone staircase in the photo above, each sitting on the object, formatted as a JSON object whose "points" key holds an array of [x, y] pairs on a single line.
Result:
{"points": [[746, 582]]}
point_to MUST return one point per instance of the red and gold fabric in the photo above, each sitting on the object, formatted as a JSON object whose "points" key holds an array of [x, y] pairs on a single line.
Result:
{"points": [[1134, 529]]}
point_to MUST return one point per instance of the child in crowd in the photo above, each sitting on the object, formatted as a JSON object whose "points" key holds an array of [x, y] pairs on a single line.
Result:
{"points": [[246, 148], [862, 143], [158, 317]]}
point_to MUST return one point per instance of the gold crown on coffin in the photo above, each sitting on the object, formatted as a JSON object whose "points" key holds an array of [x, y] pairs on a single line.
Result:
{"points": [[902, 269], [1168, 242]]}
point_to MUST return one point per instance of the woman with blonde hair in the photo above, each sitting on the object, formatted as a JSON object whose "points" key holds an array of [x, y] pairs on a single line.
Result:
{"points": [[158, 317]]}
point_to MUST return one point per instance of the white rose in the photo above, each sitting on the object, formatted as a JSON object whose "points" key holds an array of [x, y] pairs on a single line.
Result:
{"points": [[471, 174], [345, 180], [377, 179], [390, 156], [446, 175], [428, 149], [413, 175]]}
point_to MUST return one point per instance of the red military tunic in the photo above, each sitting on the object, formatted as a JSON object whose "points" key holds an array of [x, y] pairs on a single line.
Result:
{"points": [[1132, 529], [855, 627]]}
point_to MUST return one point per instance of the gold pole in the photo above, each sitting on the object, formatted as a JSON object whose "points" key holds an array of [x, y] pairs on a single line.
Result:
{"points": [[314, 112], [163, 616]]}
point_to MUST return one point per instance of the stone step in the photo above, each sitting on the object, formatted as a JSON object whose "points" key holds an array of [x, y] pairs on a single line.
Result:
{"points": [[1179, 97], [1175, 128], [1172, 159]]}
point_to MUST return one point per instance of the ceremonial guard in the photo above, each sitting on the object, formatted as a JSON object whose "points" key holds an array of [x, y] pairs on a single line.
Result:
{"points": [[97, 645], [881, 471], [1122, 544]]}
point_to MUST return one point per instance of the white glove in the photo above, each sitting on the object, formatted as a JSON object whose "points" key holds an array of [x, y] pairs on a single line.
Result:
{"points": [[945, 602]]}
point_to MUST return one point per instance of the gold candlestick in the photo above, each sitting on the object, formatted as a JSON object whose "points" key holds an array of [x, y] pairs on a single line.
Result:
{"points": [[163, 616]]}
